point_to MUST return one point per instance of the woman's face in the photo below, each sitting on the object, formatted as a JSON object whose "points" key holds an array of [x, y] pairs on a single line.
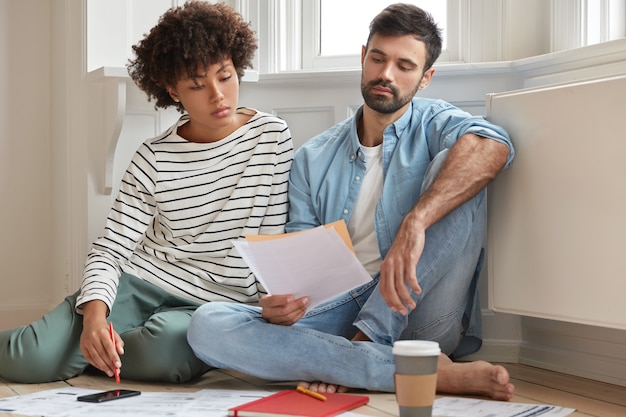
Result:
{"points": [[210, 97]]}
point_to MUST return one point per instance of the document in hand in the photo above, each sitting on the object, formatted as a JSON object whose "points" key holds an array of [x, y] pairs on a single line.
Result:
{"points": [[317, 263], [294, 403]]}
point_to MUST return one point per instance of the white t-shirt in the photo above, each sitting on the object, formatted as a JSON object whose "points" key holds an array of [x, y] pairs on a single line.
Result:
{"points": [[361, 223]]}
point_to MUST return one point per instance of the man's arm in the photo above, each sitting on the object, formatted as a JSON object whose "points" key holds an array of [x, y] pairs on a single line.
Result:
{"points": [[471, 164]]}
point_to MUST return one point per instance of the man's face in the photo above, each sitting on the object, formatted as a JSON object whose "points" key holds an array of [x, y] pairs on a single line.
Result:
{"points": [[393, 71]]}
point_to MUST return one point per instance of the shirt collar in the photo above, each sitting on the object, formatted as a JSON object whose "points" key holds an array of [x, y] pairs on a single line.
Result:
{"points": [[355, 145], [399, 126], [403, 122]]}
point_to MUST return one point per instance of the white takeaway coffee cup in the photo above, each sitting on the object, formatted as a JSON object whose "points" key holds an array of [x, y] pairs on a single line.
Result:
{"points": [[416, 376]]}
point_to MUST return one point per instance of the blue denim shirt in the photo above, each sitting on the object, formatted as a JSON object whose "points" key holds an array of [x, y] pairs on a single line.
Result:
{"points": [[326, 172]]}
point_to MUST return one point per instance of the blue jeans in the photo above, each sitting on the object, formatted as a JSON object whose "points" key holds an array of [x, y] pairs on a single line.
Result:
{"points": [[318, 347]]}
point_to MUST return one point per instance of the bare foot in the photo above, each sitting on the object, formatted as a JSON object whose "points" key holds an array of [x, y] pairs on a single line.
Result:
{"points": [[474, 378], [322, 387]]}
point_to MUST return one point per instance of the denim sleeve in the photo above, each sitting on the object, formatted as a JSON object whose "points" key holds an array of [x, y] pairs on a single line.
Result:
{"points": [[301, 211], [489, 130], [447, 123]]}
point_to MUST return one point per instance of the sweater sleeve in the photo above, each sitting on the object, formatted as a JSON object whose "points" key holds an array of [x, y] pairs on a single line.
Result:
{"points": [[130, 215], [278, 204]]}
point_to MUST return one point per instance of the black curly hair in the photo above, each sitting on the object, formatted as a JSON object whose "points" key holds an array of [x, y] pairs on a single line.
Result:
{"points": [[197, 33]]}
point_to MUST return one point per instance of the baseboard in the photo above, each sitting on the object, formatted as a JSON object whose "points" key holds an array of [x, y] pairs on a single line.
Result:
{"points": [[493, 350], [585, 351], [576, 349], [592, 365]]}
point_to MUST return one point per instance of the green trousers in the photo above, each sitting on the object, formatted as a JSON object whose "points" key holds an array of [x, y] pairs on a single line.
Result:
{"points": [[152, 323]]}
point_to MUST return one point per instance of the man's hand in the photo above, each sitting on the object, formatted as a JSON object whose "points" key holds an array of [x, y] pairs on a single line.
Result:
{"points": [[283, 309], [397, 272], [95, 340]]}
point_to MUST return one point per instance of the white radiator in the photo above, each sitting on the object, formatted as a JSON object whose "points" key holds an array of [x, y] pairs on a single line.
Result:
{"points": [[557, 216]]}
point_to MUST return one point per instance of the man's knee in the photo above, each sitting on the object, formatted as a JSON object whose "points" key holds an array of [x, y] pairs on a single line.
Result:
{"points": [[218, 327], [207, 322]]}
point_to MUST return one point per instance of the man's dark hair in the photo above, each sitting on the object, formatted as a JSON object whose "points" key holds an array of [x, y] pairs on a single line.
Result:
{"points": [[196, 34], [406, 19]]}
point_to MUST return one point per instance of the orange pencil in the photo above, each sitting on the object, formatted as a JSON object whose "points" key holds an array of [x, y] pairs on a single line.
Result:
{"points": [[311, 393]]}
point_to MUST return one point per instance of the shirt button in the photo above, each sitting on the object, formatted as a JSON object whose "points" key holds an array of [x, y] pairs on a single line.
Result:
{"points": [[345, 211], [357, 178], [352, 157]]}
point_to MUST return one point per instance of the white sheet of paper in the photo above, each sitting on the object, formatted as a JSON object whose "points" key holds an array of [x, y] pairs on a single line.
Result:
{"points": [[315, 263], [62, 403], [468, 407], [214, 403]]}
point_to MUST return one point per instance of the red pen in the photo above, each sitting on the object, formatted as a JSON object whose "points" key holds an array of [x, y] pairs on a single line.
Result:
{"points": [[117, 370]]}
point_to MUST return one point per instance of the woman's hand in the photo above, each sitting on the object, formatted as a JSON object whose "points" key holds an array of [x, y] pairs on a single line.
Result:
{"points": [[95, 340]]}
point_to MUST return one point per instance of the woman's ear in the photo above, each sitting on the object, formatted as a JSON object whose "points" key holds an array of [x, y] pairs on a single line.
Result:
{"points": [[173, 94]]}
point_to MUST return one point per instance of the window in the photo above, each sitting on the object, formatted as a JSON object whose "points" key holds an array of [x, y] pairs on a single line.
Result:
{"points": [[314, 35], [586, 22], [605, 21], [327, 43], [302, 34], [336, 40]]}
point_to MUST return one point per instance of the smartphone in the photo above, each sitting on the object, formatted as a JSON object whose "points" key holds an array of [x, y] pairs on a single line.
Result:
{"points": [[114, 394]]}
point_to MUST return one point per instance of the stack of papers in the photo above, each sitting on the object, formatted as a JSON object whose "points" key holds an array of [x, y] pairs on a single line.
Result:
{"points": [[318, 263], [62, 403], [215, 403]]}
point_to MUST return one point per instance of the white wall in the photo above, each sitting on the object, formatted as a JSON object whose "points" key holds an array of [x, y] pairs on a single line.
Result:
{"points": [[25, 165]]}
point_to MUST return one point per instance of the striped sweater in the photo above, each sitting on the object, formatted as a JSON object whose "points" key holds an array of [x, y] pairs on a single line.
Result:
{"points": [[181, 204]]}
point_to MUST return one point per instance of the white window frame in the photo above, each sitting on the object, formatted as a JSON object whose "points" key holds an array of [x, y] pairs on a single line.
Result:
{"points": [[312, 60], [572, 26], [611, 21], [293, 46]]}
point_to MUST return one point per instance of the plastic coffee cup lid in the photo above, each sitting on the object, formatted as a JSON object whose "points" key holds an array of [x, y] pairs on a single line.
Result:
{"points": [[416, 348]]}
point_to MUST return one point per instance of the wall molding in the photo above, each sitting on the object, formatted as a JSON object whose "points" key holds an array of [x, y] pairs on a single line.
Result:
{"points": [[111, 111]]}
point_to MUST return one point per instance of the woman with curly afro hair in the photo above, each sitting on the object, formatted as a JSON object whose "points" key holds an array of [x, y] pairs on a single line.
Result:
{"points": [[218, 173]]}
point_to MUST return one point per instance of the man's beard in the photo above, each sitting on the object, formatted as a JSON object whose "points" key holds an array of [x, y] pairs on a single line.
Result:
{"points": [[384, 104]]}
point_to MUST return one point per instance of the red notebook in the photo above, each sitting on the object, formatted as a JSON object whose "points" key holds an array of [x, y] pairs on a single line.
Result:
{"points": [[294, 403]]}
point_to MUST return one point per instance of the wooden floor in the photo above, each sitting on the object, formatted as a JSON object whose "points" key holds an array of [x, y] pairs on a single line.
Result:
{"points": [[533, 385]]}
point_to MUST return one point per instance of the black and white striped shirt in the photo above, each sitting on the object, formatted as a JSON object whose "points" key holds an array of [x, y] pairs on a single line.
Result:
{"points": [[181, 204]]}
